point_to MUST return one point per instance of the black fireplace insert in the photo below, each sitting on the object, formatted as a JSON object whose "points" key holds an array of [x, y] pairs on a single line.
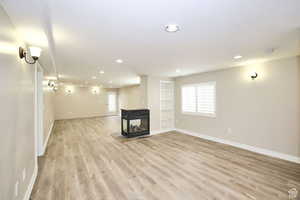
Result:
{"points": [[135, 122]]}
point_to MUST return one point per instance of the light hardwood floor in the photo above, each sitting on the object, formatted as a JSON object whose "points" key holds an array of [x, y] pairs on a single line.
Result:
{"points": [[86, 160]]}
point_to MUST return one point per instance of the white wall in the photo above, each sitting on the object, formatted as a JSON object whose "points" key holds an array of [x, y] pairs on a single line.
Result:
{"points": [[82, 103], [144, 91], [262, 113], [48, 114], [129, 97], [17, 147]]}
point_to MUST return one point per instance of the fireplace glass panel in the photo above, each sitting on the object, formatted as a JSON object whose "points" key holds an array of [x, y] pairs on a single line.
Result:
{"points": [[137, 125]]}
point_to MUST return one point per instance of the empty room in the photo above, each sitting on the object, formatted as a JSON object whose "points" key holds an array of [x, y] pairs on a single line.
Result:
{"points": [[150, 100]]}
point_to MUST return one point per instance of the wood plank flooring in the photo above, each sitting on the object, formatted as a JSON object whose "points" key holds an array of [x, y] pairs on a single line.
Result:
{"points": [[86, 160]]}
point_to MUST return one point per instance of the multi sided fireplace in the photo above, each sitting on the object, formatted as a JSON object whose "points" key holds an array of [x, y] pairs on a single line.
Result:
{"points": [[135, 122]]}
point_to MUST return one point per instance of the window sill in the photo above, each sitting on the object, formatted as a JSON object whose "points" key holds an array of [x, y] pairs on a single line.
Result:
{"points": [[199, 114]]}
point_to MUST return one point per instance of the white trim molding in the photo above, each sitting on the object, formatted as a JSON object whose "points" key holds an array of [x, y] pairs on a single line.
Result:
{"points": [[87, 116], [47, 139], [31, 183], [267, 152], [156, 132]]}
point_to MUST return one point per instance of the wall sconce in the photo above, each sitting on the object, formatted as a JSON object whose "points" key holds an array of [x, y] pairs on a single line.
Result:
{"points": [[253, 75], [69, 90], [51, 84], [35, 53], [95, 90]]}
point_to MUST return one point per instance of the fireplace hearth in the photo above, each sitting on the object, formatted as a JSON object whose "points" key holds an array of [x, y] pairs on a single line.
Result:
{"points": [[135, 122]]}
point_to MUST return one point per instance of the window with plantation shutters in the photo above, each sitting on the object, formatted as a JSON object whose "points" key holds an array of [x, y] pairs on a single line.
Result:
{"points": [[199, 99], [189, 99]]}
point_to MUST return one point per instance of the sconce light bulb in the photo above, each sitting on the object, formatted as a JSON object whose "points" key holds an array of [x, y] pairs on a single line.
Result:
{"points": [[35, 52]]}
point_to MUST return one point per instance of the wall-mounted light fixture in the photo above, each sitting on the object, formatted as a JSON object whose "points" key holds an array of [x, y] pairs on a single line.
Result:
{"points": [[69, 90], [35, 53], [53, 85], [253, 75], [95, 90]]}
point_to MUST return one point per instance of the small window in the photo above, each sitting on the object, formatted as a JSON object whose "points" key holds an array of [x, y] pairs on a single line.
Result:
{"points": [[199, 99], [112, 102]]}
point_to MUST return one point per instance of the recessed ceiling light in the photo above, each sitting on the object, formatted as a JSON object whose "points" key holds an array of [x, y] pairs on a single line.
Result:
{"points": [[119, 61], [237, 57], [172, 28], [177, 70], [94, 77], [101, 72]]}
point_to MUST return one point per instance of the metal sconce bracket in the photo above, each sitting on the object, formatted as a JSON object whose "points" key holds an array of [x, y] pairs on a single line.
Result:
{"points": [[254, 76]]}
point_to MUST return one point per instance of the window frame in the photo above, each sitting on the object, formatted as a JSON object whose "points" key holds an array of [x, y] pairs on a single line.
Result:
{"points": [[195, 85]]}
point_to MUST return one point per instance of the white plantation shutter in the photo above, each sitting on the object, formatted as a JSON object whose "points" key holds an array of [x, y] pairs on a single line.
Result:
{"points": [[206, 97], [188, 99], [199, 99]]}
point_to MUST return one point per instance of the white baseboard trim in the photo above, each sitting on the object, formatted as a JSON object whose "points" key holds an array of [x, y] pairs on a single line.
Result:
{"points": [[160, 131], [86, 116], [31, 183], [47, 139], [244, 146]]}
